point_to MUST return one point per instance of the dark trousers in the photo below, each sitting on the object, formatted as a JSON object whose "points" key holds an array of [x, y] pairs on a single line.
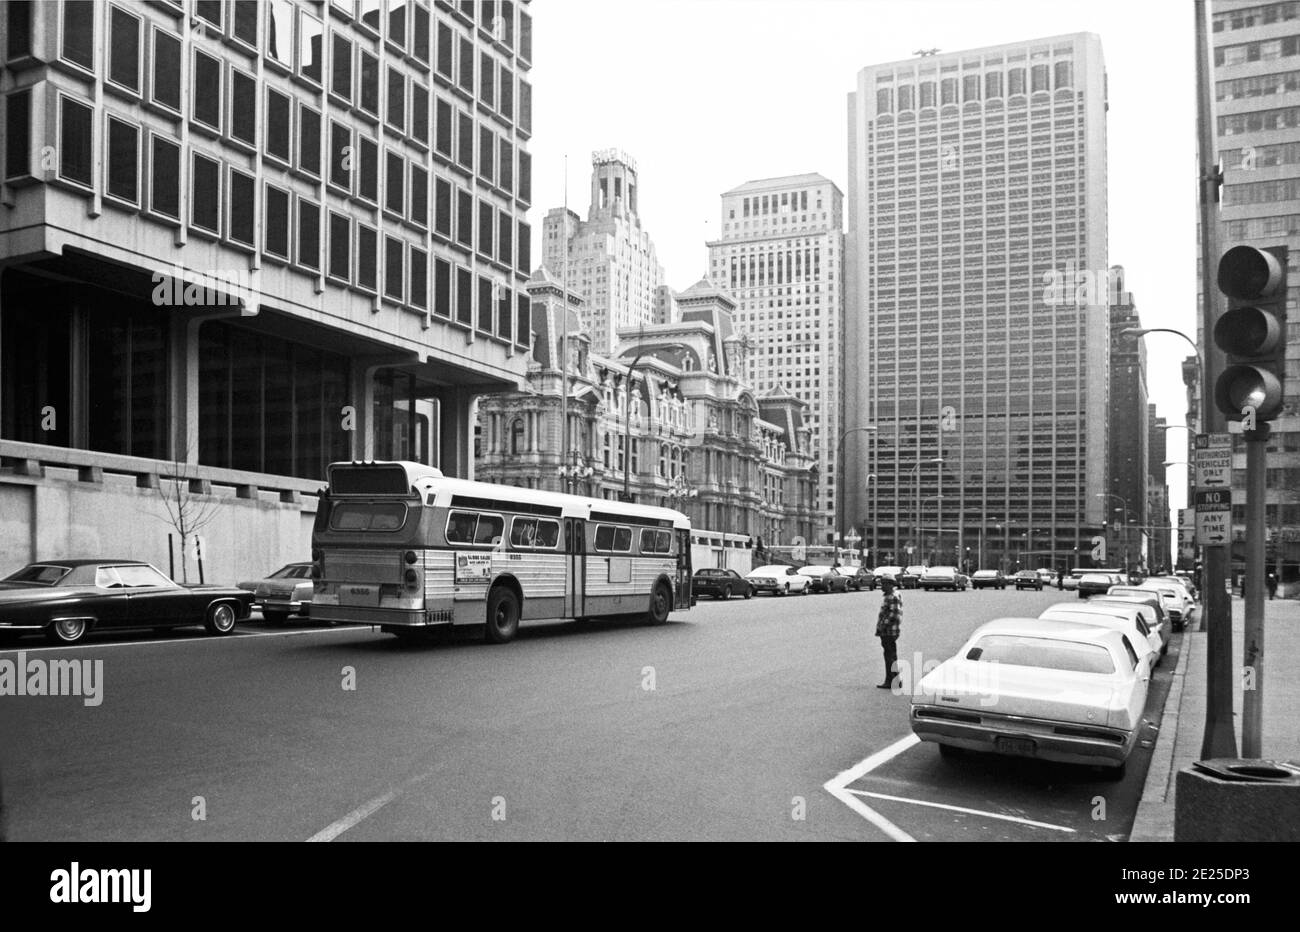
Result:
{"points": [[890, 646]]}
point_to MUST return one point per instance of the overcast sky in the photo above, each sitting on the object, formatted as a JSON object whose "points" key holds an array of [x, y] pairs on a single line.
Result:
{"points": [[708, 94]]}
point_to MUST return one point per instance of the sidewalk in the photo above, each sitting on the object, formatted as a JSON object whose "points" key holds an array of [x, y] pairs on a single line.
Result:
{"points": [[1183, 726]]}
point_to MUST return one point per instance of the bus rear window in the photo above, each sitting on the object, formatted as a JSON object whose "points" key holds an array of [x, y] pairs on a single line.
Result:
{"points": [[367, 516], [612, 538]]}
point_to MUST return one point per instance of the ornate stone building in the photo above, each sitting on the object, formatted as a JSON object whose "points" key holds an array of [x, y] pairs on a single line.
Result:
{"points": [[668, 420]]}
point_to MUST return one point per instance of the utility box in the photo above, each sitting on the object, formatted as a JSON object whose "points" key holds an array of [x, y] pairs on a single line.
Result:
{"points": [[1228, 799]]}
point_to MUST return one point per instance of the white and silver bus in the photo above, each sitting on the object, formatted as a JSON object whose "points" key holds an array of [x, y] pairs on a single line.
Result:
{"points": [[402, 546]]}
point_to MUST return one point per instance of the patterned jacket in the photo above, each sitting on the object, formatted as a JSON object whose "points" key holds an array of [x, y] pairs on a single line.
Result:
{"points": [[891, 616]]}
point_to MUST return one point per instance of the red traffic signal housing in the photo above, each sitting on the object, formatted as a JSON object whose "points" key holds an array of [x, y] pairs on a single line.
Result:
{"points": [[1252, 331]]}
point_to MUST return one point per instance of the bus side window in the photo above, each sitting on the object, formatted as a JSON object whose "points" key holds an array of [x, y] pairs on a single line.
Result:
{"points": [[460, 527], [523, 531], [548, 533], [490, 529]]}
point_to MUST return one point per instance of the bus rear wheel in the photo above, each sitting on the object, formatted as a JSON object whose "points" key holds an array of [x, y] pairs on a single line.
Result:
{"points": [[661, 603], [502, 615]]}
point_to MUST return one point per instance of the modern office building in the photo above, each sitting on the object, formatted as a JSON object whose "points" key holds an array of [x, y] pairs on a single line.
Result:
{"points": [[1257, 102], [976, 322], [781, 256], [240, 240], [1162, 532], [1128, 422], [609, 258], [667, 420]]}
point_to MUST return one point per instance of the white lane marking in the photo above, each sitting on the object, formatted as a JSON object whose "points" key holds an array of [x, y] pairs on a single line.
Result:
{"points": [[194, 639], [335, 829], [366, 810], [978, 812], [838, 787]]}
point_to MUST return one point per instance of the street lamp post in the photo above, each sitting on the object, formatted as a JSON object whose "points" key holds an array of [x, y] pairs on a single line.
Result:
{"points": [[840, 480], [916, 492]]}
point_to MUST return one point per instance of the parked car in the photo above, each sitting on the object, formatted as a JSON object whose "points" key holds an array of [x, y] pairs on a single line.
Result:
{"points": [[1026, 687], [65, 599], [825, 578], [944, 577], [285, 592], [910, 578], [1126, 618], [1174, 598], [720, 583], [859, 577], [1091, 584], [1027, 579], [1153, 613], [778, 579], [1071, 581]]}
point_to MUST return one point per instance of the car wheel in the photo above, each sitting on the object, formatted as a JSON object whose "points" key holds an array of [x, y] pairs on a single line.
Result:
{"points": [[785, 591], [67, 631], [275, 618], [749, 593], [1115, 774], [661, 603], [726, 594], [220, 620], [502, 615]]}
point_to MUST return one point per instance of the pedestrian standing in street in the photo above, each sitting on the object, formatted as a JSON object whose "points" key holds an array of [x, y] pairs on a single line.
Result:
{"points": [[887, 627], [1271, 582]]}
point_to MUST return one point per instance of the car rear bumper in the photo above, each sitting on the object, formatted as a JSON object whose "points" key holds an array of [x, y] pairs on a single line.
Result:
{"points": [[1111, 747], [281, 605]]}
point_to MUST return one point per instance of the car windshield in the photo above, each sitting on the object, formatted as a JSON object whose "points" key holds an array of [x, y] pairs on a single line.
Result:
{"points": [[292, 571], [1027, 574], [39, 574], [1045, 653]]}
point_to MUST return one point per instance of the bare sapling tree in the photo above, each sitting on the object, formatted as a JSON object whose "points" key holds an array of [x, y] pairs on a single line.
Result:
{"points": [[188, 511]]}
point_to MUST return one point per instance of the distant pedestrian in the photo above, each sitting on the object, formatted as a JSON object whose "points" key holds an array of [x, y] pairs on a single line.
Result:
{"points": [[1271, 582], [1060, 579], [887, 628]]}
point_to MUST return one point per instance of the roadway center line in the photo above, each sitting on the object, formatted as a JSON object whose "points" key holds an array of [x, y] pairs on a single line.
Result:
{"points": [[838, 787], [978, 812]]}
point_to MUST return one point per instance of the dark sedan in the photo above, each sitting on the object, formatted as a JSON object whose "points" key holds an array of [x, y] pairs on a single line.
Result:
{"points": [[859, 577], [1028, 579], [988, 579], [721, 584], [64, 599]]}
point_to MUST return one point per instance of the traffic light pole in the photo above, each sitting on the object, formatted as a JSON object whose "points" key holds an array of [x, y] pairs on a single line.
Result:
{"points": [[1252, 704], [1220, 739]]}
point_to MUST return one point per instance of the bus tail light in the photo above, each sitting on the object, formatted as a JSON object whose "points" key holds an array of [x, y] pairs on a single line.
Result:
{"points": [[317, 564], [412, 579], [410, 557]]}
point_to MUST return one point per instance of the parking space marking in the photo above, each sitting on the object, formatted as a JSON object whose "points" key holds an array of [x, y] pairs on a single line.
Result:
{"points": [[978, 812], [838, 786]]}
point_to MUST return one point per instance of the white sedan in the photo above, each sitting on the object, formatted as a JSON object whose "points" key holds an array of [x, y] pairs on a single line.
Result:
{"points": [[1026, 687], [1126, 618], [1175, 599], [778, 579]]}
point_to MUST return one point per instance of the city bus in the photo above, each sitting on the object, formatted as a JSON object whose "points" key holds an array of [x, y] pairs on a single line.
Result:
{"points": [[719, 549], [401, 546]]}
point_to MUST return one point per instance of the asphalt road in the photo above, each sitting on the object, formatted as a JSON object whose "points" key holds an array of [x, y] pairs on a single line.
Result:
{"points": [[748, 720]]}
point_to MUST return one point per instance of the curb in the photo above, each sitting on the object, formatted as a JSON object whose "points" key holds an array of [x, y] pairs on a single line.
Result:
{"points": [[1154, 820]]}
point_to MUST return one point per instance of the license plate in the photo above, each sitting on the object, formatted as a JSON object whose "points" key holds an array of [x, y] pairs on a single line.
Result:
{"points": [[358, 595], [1021, 747]]}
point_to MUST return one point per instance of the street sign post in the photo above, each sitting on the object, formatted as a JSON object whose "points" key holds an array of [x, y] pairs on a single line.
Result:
{"points": [[1213, 466], [1213, 517]]}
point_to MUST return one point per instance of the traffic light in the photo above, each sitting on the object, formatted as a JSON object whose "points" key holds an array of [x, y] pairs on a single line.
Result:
{"points": [[1252, 332]]}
